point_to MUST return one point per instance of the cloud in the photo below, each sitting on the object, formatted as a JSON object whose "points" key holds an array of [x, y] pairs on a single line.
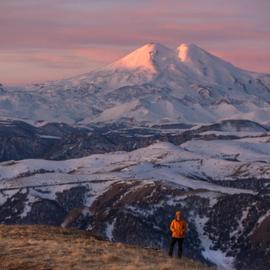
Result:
{"points": [[98, 31], [24, 66], [249, 59]]}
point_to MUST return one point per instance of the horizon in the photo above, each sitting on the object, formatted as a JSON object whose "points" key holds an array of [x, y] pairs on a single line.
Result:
{"points": [[42, 42]]}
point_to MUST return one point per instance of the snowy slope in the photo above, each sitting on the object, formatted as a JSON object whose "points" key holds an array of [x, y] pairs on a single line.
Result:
{"points": [[153, 84], [218, 184], [190, 166]]}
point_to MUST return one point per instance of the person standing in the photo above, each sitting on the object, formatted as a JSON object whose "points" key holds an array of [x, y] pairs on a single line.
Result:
{"points": [[178, 229]]}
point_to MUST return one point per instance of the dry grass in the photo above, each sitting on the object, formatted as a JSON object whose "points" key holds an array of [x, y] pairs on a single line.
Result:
{"points": [[51, 248]]}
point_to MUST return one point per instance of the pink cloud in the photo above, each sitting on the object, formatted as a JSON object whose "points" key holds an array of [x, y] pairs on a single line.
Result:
{"points": [[24, 66], [246, 59], [67, 34]]}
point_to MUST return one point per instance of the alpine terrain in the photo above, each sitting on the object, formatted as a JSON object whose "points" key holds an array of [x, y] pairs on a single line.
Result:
{"points": [[118, 150], [24, 247]]}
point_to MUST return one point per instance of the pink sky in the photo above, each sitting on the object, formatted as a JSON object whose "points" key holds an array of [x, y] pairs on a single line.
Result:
{"points": [[52, 39]]}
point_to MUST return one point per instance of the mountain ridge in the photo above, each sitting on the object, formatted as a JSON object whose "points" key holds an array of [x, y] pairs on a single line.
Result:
{"points": [[220, 183], [153, 84]]}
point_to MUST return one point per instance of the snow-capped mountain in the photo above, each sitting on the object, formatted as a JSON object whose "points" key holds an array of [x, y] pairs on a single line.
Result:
{"points": [[153, 84], [156, 131]]}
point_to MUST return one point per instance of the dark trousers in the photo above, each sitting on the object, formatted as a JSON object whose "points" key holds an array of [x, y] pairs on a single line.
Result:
{"points": [[180, 246]]}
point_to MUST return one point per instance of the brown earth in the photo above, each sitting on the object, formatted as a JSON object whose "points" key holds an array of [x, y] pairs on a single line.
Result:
{"points": [[51, 248]]}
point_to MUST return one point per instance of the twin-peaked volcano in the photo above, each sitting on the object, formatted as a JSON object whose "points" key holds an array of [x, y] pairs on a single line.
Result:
{"points": [[154, 55], [187, 62], [152, 84]]}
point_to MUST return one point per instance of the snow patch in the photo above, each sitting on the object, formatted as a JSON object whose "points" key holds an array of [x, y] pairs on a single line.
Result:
{"points": [[109, 229], [217, 257]]}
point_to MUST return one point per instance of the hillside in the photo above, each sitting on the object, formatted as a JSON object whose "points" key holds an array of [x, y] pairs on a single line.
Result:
{"points": [[43, 247], [219, 180]]}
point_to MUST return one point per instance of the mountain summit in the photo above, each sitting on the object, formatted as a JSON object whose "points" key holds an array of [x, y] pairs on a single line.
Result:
{"points": [[154, 60], [191, 53], [145, 57], [152, 55], [153, 84]]}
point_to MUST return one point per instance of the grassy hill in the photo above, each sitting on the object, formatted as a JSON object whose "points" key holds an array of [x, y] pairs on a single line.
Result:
{"points": [[45, 248]]}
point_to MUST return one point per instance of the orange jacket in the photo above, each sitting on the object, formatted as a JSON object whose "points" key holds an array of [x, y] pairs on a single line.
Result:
{"points": [[178, 228]]}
